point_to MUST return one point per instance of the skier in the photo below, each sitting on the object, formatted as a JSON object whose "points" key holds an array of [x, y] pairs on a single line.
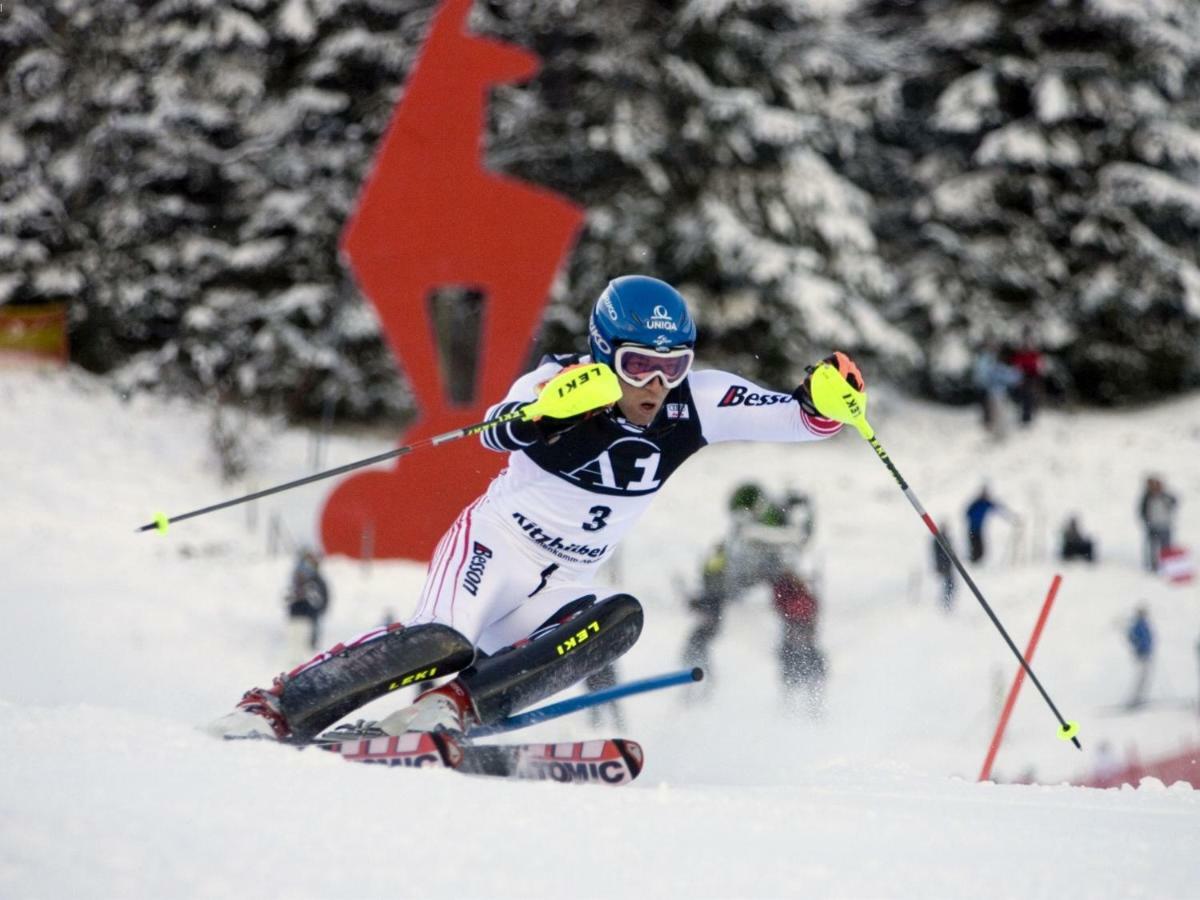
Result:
{"points": [[726, 572], [762, 545], [509, 602]]}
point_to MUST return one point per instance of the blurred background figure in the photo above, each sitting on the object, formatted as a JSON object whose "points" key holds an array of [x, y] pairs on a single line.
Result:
{"points": [[1076, 544], [978, 512], [1141, 642], [802, 663], [768, 537], [307, 601], [707, 604], [1156, 509], [944, 566], [745, 553], [993, 379], [1030, 365], [764, 544]]}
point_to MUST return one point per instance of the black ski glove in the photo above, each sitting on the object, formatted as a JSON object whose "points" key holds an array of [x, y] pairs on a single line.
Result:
{"points": [[550, 430]]}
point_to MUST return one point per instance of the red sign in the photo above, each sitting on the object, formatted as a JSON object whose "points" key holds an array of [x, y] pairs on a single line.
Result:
{"points": [[432, 217], [1175, 565]]}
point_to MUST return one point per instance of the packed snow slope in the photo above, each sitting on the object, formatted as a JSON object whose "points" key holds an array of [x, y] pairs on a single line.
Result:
{"points": [[118, 645]]}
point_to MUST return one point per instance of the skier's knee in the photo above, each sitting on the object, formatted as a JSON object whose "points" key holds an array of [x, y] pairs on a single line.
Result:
{"points": [[614, 624], [624, 608], [555, 657]]}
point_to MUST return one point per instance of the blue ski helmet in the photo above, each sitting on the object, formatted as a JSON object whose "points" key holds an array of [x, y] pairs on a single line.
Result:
{"points": [[637, 309]]}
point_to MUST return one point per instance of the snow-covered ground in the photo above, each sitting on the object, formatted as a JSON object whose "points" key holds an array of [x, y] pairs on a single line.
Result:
{"points": [[117, 645]]}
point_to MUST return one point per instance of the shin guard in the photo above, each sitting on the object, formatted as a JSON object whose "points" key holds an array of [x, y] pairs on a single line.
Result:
{"points": [[317, 694], [554, 658]]}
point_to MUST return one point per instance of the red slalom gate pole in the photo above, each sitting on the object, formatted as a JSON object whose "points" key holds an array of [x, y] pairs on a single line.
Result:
{"points": [[986, 771]]}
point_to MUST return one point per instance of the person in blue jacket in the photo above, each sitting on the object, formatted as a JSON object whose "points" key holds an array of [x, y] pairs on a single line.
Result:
{"points": [[1141, 642], [977, 515]]}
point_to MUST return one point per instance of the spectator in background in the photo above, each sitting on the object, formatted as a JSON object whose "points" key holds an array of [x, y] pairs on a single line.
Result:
{"points": [[1157, 512], [978, 512], [307, 600], [993, 379], [1028, 361], [945, 569], [1141, 642], [1076, 544]]}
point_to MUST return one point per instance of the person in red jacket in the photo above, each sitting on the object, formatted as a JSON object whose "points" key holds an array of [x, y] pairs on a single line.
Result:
{"points": [[1029, 361]]}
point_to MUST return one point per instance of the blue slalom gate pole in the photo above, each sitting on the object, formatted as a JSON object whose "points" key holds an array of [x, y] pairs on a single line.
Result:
{"points": [[574, 704]]}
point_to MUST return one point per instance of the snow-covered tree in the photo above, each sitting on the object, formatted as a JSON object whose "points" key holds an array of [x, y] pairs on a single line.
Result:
{"points": [[183, 182], [892, 178], [705, 140], [1038, 166]]}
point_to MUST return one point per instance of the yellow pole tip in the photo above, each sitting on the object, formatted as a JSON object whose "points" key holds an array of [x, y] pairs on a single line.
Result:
{"points": [[1068, 731], [161, 522]]}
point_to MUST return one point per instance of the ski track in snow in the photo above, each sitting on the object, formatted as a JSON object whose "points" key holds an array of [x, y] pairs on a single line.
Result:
{"points": [[120, 644]]}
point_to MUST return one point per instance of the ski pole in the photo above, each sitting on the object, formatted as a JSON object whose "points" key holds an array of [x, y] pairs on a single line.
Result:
{"points": [[574, 704], [573, 391], [834, 398]]}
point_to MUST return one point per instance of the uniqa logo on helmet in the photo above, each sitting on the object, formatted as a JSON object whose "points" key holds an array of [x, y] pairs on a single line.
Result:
{"points": [[660, 320]]}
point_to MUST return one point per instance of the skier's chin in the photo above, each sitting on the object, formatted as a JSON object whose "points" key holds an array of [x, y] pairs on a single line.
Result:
{"points": [[642, 412], [640, 405]]}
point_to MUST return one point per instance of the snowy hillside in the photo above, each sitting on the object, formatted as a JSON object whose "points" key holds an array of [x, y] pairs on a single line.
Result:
{"points": [[117, 645]]}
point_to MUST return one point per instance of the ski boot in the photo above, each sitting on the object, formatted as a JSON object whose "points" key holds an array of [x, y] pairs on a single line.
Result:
{"points": [[446, 710], [256, 716]]}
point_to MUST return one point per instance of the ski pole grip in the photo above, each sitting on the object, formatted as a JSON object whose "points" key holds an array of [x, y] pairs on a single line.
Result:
{"points": [[835, 399], [574, 391]]}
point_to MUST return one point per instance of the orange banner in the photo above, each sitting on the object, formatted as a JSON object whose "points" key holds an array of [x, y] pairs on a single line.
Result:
{"points": [[34, 333]]}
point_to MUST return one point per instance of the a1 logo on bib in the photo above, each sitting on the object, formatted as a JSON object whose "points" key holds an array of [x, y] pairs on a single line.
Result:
{"points": [[628, 466]]}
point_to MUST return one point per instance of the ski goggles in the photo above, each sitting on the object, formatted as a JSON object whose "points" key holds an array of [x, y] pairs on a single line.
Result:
{"points": [[640, 365]]}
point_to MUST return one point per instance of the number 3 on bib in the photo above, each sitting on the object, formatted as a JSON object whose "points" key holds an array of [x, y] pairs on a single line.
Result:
{"points": [[600, 515]]}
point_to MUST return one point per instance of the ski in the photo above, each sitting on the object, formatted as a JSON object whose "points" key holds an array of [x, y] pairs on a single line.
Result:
{"points": [[611, 761]]}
